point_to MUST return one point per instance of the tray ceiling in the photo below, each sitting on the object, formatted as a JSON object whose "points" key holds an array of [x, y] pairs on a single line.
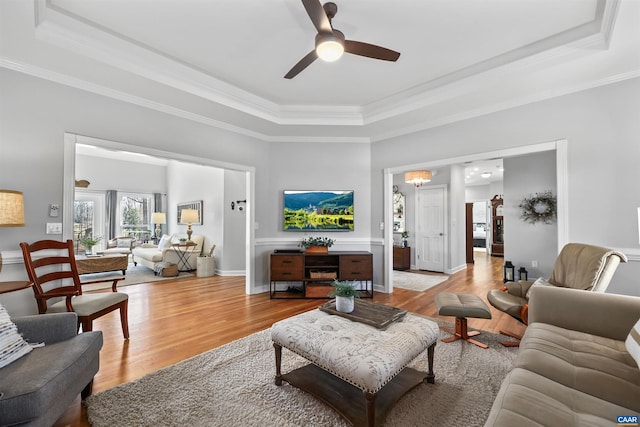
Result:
{"points": [[222, 62]]}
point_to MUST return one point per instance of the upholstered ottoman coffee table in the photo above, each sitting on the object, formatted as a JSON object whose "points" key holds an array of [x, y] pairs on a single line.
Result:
{"points": [[351, 359]]}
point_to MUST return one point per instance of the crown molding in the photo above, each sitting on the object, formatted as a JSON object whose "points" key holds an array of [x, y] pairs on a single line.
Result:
{"points": [[84, 85], [77, 83], [632, 254], [501, 106], [74, 82], [64, 29], [566, 45]]}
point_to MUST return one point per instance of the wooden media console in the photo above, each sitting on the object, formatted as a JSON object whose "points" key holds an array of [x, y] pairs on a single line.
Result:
{"points": [[302, 275]]}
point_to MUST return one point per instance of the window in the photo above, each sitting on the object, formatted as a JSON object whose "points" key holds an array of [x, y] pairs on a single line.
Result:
{"points": [[135, 215], [88, 221]]}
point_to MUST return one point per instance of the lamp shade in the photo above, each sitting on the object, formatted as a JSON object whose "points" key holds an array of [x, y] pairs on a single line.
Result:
{"points": [[11, 208], [158, 218], [417, 178], [189, 216]]}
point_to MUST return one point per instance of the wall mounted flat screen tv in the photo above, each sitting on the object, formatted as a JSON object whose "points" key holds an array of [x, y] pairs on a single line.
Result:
{"points": [[318, 210]]}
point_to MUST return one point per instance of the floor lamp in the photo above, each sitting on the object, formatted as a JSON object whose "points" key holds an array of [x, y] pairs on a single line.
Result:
{"points": [[11, 211]]}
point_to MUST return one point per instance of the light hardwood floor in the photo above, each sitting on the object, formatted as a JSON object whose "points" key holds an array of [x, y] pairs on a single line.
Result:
{"points": [[173, 320]]}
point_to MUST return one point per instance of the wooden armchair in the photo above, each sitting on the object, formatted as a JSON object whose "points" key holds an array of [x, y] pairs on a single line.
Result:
{"points": [[51, 266], [578, 266]]}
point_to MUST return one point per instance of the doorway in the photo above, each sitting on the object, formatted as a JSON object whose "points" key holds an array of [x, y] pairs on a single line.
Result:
{"points": [[560, 147], [247, 172]]}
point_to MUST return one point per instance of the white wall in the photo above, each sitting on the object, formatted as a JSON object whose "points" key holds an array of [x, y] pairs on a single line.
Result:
{"points": [[112, 174], [457, 224], [188, 183], [483, 193]]}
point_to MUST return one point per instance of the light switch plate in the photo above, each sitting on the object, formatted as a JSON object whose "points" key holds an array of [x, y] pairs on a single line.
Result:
{"points": [[54, 228]]}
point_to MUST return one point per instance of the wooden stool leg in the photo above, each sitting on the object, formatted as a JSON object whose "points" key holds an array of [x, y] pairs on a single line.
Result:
{"points": [[462, 333]]}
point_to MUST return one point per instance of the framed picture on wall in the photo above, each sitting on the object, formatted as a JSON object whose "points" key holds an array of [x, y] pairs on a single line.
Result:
{"points": [[195, 205]]}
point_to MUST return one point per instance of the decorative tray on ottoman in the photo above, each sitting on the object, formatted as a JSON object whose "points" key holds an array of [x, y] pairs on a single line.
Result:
{"points": [[370, 313]]}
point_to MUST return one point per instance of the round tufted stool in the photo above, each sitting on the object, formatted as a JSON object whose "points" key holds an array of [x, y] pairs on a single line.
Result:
{"points": [[462, 306]]}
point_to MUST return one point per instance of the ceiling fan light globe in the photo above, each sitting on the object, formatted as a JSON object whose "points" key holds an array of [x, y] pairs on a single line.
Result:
{"points": [[329, 47]]}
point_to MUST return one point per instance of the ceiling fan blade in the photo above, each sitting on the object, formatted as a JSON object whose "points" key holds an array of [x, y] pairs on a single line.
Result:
{"points": [[302, 64], [318, 15], [370, 50]]}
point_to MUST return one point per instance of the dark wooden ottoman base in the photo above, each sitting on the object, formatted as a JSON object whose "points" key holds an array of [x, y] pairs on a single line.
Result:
{"points": [[347, 399]]}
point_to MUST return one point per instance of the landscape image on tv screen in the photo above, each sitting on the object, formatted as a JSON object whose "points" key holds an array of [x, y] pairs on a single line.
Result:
{"points": [[318, 210]]}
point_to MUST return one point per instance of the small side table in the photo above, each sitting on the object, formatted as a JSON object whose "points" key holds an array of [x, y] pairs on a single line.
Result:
{"points": [[184, 251], [6, 287], [401, 258]]}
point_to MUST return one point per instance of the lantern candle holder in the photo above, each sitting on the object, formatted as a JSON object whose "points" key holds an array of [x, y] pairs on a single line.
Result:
{"points": [[524, 274], [509, 272]]}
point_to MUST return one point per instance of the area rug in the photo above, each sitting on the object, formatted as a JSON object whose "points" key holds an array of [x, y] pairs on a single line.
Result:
{"points": [[233, 385], [135, 275], [416, 281]]}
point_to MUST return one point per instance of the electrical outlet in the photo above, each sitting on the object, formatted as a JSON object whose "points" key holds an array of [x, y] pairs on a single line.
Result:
{"points": [[54, 228], [534, 264]]}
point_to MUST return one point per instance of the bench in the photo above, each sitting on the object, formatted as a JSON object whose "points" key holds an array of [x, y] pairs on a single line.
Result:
{"points": [[354, 359]]}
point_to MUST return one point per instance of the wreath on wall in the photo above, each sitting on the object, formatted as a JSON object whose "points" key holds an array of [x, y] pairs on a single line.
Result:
{"points": [[540, 207]]}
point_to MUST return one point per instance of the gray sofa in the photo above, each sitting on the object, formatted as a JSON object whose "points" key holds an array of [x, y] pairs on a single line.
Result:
{"points": [[37, 389], [572, 367]]}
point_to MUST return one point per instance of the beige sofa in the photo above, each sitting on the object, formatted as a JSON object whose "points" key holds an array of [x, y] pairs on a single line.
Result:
{"points": [[572, 367], [150, 255]]}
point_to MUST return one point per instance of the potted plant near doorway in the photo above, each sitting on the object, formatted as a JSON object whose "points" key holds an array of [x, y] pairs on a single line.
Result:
{"points": [[345, 293], [405, 237]]}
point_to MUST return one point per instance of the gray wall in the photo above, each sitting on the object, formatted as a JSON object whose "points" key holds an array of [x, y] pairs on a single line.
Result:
{"points": [[601, 125], [525, 242], [234, 238]]}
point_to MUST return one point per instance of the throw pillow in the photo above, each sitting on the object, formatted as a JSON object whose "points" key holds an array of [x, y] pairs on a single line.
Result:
{"points": [[164, 243], [12, 345], [123, 243], [539, 282], [633, 342]]}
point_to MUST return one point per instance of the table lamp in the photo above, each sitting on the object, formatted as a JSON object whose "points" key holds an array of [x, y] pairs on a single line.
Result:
{"points": [[189, 216], [11, 211], [158, 218]]}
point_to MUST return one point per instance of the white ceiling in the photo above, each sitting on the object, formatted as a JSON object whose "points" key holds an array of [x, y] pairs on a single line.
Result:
{"points": [[222, 62]]}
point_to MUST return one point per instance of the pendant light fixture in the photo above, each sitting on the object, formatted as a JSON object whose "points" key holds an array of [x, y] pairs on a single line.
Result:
{"points": [[417, 178]]}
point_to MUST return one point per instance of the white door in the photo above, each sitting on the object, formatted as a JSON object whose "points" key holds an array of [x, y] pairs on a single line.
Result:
{"points": [[430, 229]]}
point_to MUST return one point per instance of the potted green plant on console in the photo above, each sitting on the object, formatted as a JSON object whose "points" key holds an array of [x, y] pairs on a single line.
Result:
{"points": [[345, 293], [316, 245]]}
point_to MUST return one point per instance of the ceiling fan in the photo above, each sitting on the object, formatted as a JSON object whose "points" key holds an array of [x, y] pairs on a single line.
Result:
{"points": [[330, 43]]}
